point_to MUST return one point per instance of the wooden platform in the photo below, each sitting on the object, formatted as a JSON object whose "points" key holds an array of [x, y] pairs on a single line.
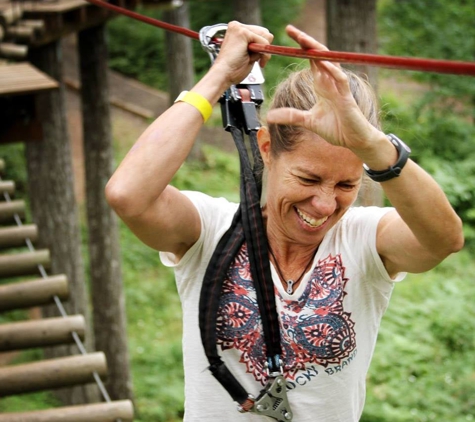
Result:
{"points": [[23, 78]]}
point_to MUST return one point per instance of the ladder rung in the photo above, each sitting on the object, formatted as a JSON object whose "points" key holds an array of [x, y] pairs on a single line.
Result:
{"points": [[40, 332], [17, 235], [26, 294], [7, 186], [9, 209], [23, 263], [100, 412], [50, 374]]}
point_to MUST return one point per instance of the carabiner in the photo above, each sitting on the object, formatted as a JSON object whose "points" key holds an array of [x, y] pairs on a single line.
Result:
{"points": [[209, 35]]}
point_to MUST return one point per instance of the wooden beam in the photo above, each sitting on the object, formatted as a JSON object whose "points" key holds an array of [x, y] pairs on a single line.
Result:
{"points": [[100, 412], [30, 293], [23, 78], [9, 209], [40, 332], [23, 263], [17, 235], [50, 374]]}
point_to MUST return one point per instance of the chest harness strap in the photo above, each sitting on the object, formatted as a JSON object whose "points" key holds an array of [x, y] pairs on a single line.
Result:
{"points": [[239, 106]]}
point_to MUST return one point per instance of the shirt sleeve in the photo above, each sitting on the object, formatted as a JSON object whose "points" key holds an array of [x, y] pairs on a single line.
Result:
{"points": [[216, 215], [361, 225]]}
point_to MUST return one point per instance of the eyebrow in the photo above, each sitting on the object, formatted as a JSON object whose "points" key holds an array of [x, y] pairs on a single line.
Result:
{"points": [[317, 177]]}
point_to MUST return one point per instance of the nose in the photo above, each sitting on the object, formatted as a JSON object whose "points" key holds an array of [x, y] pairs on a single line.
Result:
{"points": [[324, 202]]}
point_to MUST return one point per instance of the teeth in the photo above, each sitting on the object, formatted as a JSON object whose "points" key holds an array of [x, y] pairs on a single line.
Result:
{"points": [[311, 221]]}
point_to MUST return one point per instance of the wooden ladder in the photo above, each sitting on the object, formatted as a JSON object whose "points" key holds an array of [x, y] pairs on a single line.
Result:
{"points": [[28, 293]]}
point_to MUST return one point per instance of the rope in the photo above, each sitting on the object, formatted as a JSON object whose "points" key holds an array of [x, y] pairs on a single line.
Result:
{"points": [[62, 311], [453, 67]]}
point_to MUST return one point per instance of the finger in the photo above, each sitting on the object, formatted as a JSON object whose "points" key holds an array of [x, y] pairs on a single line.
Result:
{"points": [[334, 72], [252, 33], [261, 31], [288, 116], [305, 40]]}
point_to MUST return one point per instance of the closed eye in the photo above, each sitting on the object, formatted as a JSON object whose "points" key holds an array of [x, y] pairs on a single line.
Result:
{"points": [[347, 186], [307, 181]]}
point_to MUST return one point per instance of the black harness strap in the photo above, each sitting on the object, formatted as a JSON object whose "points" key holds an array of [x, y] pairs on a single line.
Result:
{"points": [[247, 226]]}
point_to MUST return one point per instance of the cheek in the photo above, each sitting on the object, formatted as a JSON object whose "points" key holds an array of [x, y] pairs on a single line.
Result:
{"points": [[346, 199]]}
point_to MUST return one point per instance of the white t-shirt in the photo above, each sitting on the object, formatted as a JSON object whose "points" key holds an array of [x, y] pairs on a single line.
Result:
{"points": [[329, 324]]}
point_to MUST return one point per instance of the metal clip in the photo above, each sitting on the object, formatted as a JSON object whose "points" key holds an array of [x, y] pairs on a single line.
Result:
{"points": [[273, 401], [236, 110], [209, 37]]}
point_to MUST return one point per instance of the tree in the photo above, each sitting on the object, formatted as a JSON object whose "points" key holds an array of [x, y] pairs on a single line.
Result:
{"points": [[351, 26], [108, 301], [179, 52], [248, 11], [53, 205]]}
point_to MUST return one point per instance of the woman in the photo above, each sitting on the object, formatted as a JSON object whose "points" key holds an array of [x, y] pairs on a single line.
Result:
{"points": [[333, 266]]}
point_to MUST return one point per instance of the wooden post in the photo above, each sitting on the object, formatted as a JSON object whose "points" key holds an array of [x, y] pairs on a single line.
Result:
{"points": [[17, 235], [40, 332], [100, 412], [24, 263], [33, 292], [49, 374], [53, 204], [110, 328]]}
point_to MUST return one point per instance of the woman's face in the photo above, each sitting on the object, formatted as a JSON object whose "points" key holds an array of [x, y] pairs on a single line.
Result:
{"points": [[308, 189]]}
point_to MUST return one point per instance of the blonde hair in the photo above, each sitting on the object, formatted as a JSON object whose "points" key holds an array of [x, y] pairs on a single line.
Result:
{"points": [[296, 91]]}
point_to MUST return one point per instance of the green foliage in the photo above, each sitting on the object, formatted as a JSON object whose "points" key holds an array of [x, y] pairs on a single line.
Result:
{"points": [[135, 49], [422, 369], [15, 166], [431, 28], [440, 125]]}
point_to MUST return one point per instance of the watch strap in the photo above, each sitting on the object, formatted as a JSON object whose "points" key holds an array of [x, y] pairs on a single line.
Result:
{"points": [[395, 170]]}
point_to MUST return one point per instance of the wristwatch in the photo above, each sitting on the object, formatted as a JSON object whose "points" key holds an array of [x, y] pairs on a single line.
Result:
{"points": [[393, 171]]}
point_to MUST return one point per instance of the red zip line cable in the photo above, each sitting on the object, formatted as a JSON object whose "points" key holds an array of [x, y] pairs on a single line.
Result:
{"points": [[395, 62]]}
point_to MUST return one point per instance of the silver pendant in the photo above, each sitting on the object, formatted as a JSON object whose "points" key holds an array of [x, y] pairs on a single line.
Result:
{"points": [[290, 286]]}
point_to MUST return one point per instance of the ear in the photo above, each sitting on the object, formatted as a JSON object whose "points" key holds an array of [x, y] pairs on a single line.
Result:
{"points": [[264, 142]]}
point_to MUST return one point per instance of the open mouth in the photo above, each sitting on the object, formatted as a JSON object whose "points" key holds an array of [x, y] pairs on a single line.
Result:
{"points": [[310, 221]]}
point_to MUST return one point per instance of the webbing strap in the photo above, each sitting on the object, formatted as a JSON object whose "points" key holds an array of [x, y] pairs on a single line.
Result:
{"points": [[247, 226]]}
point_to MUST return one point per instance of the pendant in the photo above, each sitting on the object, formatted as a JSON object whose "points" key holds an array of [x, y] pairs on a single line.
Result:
{"points": [[290, 286]]}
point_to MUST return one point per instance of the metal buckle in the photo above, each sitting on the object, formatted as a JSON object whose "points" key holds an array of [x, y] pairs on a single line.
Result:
{"points": [[273, 401]]}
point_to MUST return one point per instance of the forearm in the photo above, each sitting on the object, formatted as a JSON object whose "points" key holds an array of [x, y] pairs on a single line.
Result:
{"points": [[160, 151], [420, 202]]}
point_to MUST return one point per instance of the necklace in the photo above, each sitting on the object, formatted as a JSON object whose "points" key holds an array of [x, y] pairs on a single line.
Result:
{"points": [[290, 283]]}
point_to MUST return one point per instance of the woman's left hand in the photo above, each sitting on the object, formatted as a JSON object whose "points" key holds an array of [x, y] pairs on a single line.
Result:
{"points": [[335, 117]]}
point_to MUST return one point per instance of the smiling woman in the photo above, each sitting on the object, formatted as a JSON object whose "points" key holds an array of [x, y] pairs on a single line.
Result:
{"points": [[332, 267]]}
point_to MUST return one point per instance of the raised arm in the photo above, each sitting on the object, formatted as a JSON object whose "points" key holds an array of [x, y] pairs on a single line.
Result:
{"points": [[424, 229], [139, 189]]}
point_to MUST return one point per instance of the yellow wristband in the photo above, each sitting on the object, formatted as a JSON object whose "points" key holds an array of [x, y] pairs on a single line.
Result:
{"points": [[197, 101]]}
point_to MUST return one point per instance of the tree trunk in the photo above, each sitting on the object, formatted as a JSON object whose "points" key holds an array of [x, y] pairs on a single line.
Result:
{"points": [[179, 53], [248, 11], [53, 204], [180, 69], [106, 278], [351, 26]]}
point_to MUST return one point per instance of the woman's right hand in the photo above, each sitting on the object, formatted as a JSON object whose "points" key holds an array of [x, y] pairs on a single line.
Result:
{"points": [[234, 60]]}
